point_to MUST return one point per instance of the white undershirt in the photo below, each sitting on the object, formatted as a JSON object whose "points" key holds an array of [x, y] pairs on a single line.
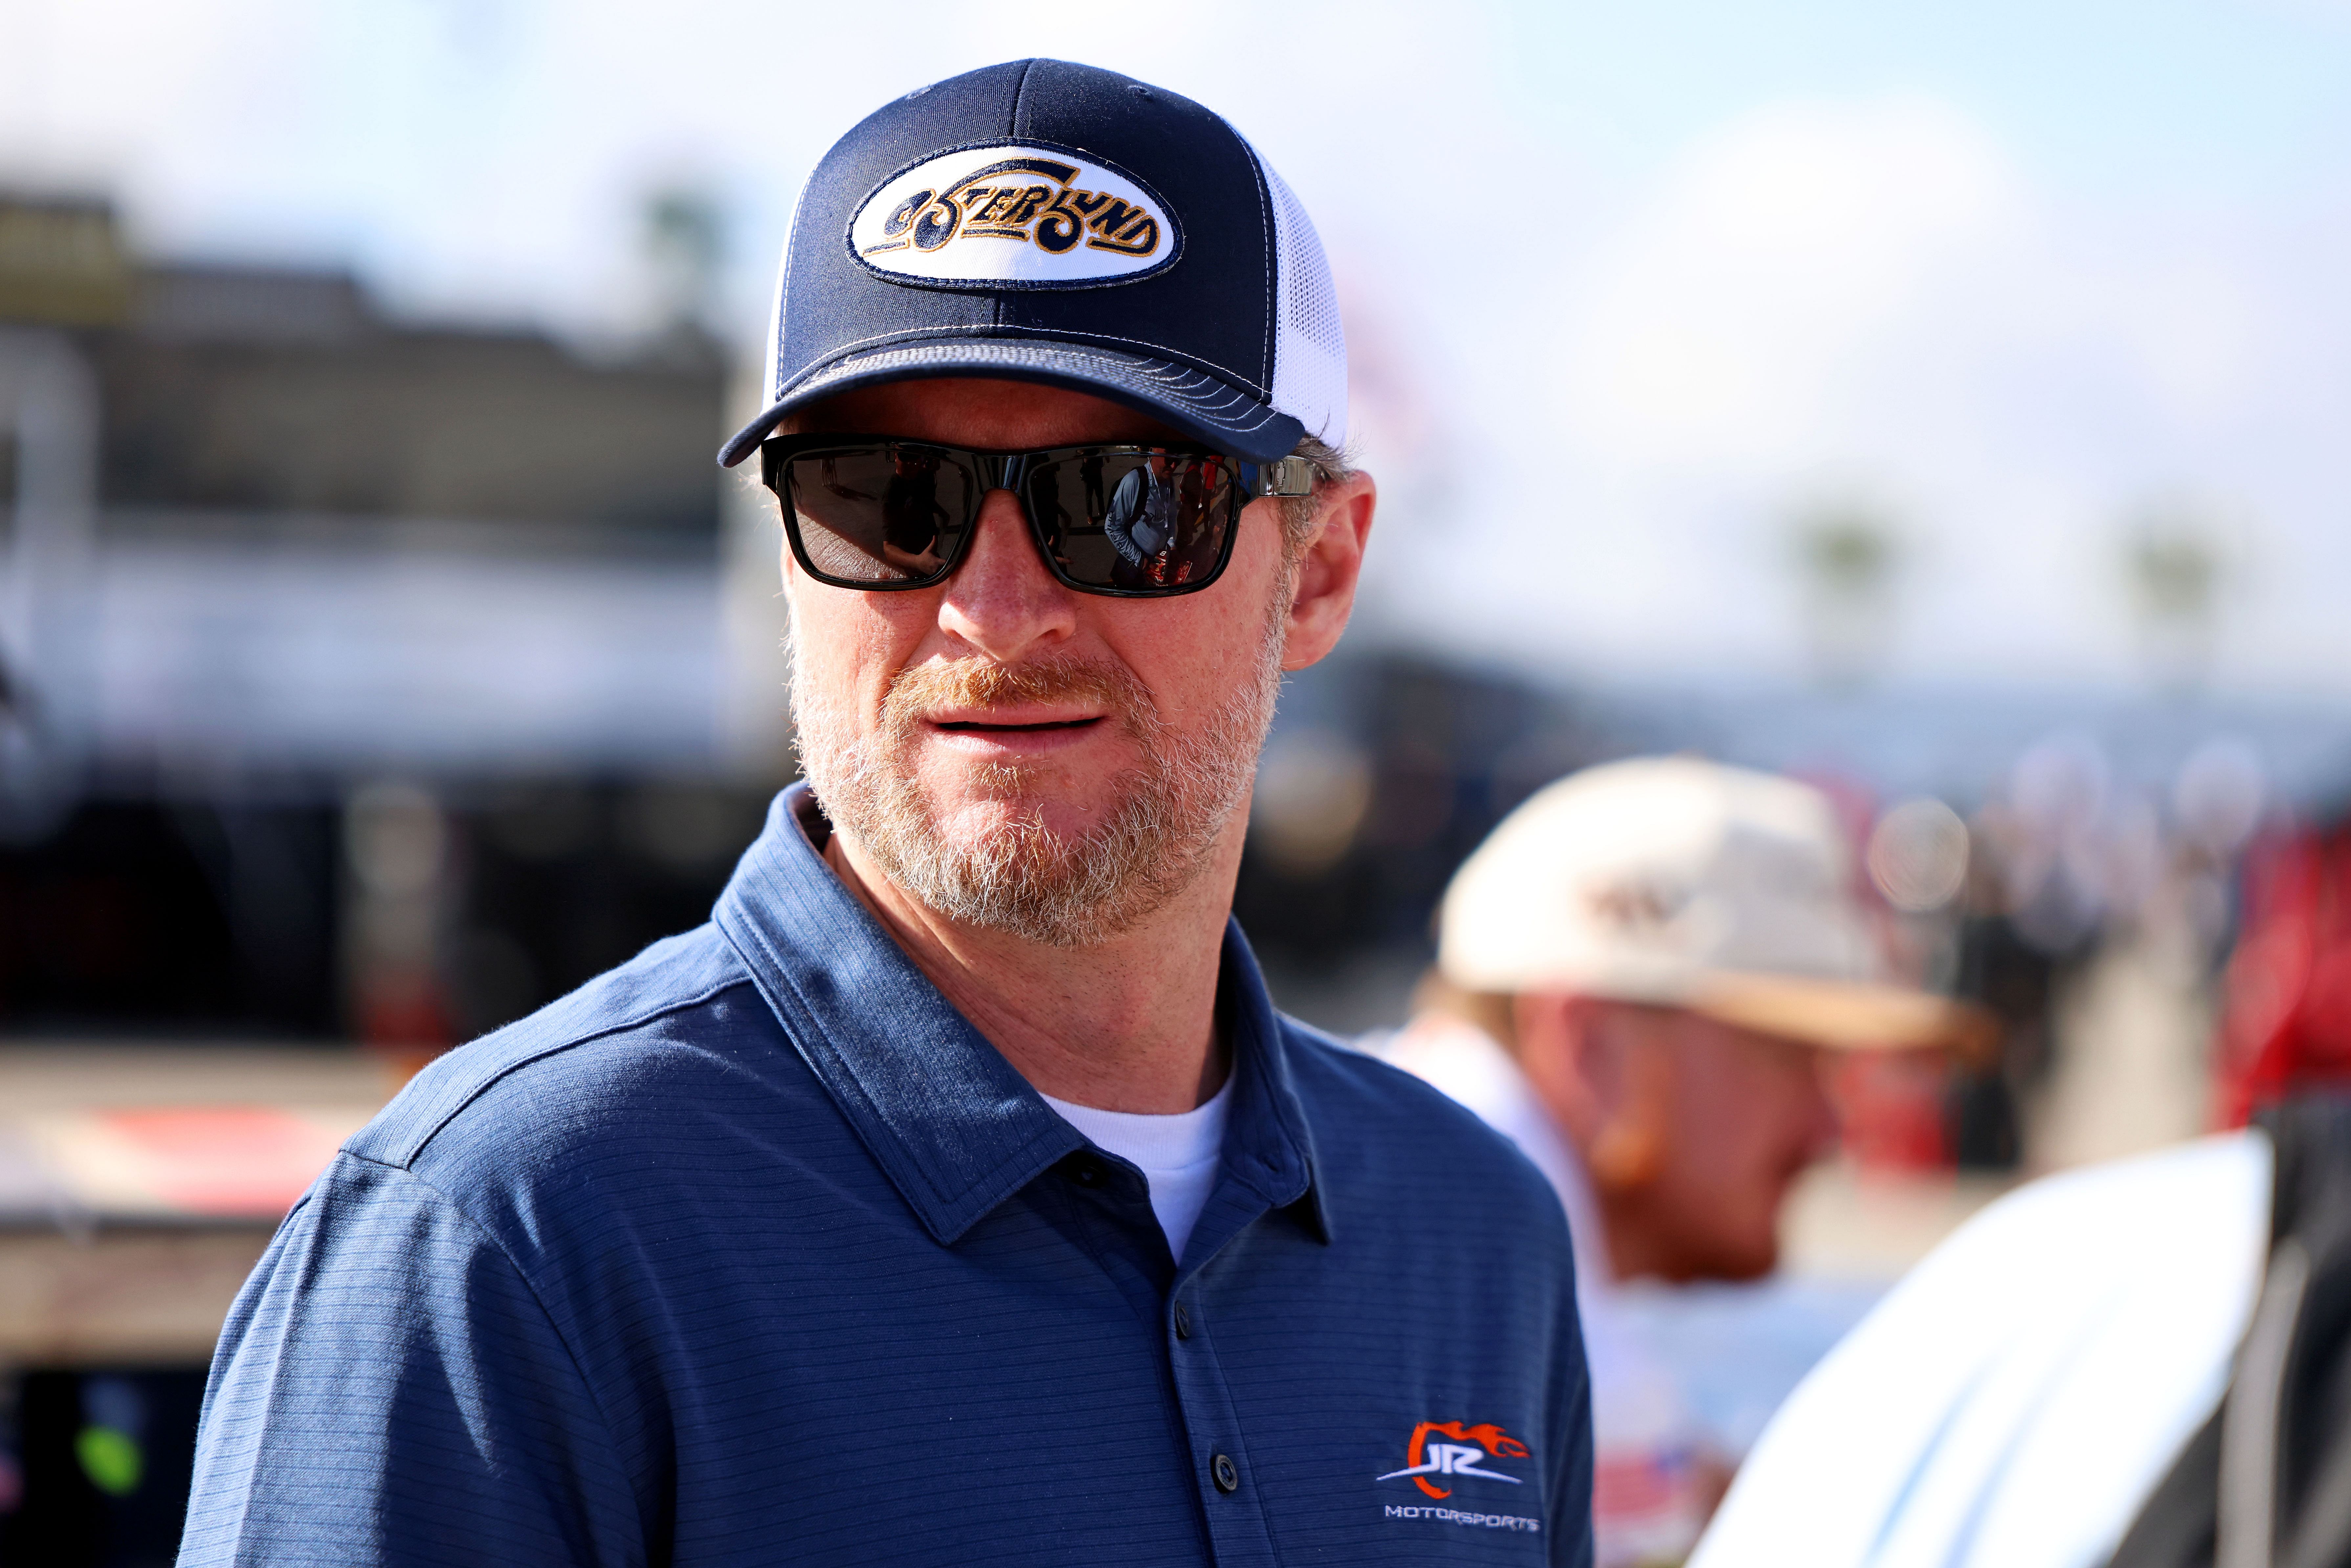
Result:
{"points": [[1178, 1155]]}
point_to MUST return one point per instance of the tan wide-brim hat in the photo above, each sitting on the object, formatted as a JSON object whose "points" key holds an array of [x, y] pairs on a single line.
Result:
{"points": [[1683, 882]]}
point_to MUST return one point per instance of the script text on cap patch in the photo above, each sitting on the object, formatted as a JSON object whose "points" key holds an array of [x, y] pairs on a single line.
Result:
{"points": [[1013, 215]]}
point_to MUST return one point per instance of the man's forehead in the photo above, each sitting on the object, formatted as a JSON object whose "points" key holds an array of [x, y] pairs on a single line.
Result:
{"points": [[987, 413]]}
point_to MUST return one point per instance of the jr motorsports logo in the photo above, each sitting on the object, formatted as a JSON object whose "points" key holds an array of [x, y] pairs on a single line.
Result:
{"points": [[1467, 1456], [1471, 1453], [1013, 216]]}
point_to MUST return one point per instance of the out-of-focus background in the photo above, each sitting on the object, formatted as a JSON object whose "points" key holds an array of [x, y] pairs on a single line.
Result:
{"points": [[1942, 405]]}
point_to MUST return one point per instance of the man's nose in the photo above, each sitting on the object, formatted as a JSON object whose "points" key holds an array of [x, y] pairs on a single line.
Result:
{"points": [[1001, 600]]}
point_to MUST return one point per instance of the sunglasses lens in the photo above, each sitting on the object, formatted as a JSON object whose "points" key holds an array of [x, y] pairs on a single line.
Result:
{"points": [[881, 514], [1139, 522]]}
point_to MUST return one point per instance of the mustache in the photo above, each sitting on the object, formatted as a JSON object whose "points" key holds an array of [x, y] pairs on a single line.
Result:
{"points": [[986, 684]]}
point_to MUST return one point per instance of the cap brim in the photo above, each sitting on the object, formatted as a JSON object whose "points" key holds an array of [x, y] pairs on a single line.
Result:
{"points": [[1202, 407], [1846, 1015]]}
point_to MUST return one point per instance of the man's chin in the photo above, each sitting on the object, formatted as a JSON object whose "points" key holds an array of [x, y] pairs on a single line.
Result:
{"points": [[989, 798], [968, 820], [1032, 866]]}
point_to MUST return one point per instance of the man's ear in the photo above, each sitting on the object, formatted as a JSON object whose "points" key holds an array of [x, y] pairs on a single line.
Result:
{"points": [[1588, 1062], [1556, 1052], [1328, 569]]}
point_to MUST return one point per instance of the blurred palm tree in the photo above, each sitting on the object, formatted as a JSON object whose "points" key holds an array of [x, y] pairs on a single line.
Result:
{"points": [[1847, 556], [2175, 569], [685, 241]]}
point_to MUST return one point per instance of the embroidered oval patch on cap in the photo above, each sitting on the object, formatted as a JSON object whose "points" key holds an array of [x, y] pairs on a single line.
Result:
{"points": [[1013, 215]]}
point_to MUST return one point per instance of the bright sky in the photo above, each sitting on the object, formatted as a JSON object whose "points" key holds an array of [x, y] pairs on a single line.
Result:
{"points": [[1629, 286]]}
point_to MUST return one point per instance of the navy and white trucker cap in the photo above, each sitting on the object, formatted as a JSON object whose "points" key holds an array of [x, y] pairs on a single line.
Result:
{"points": [[1048, 222]]}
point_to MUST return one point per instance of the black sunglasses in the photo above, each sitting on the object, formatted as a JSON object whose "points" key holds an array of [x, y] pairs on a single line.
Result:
{"points": [[876, 513]]}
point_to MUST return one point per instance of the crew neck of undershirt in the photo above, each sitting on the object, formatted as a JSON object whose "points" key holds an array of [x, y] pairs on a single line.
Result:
{"points": [[1178, 1155]]}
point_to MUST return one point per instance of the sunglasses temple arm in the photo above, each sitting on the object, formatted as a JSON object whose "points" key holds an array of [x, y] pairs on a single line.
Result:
{"points": [[1283, 476]]}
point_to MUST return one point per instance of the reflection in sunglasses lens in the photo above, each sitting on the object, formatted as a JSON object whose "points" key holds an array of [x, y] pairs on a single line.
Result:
{"points": [[880, 513], [886, 514], [1134, 521]]}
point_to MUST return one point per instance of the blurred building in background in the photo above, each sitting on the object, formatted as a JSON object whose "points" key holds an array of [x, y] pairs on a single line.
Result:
{"points": [[358, 680], [361, 683]]}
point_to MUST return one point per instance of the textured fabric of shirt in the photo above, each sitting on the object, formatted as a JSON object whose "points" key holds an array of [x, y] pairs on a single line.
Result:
{"points": [[755, 1251]]}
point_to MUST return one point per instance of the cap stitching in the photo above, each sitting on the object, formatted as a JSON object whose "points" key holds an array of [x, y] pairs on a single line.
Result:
{"points": [[784, 284], [1153, 370], [1056, 334], [1145, 381], [1272, 247], [1011, 128], [1258, 415]]}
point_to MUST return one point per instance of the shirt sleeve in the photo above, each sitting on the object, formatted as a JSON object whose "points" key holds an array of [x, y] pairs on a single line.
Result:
{"points": [[388, 1390]]}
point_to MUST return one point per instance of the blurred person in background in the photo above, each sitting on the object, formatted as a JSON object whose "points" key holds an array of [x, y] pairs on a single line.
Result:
{"points": [[957, 1194], [2144, 1362], [1638, 973]]}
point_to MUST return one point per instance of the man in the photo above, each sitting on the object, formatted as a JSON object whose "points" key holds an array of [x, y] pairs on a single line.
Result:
{"points": [[956, 1195], [1636, 974]]}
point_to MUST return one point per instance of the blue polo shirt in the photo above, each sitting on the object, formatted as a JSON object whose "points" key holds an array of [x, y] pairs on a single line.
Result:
{"points": [[755, 1251]]}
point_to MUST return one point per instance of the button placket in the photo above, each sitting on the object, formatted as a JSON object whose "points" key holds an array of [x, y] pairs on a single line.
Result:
{"points": [[1229, 1494]]}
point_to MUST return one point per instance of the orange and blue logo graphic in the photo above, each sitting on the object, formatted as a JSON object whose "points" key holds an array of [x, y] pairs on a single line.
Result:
{"points": [[1463, 1457]]}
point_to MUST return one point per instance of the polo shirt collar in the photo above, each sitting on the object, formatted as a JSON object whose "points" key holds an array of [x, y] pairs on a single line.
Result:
{"points": [[955, 1127]]}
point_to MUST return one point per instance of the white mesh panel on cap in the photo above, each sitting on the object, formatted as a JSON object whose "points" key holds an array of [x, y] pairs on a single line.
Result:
{"points": [[1310, 345]]}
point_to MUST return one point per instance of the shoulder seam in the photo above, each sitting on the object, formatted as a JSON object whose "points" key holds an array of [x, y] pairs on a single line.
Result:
{"points": [[416, 1149], [489, 1238]]}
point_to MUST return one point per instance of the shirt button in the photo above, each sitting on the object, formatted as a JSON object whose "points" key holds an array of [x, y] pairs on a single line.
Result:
{"points": [[1086, 1173], [1228, 1475], [1182, 1321]]}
